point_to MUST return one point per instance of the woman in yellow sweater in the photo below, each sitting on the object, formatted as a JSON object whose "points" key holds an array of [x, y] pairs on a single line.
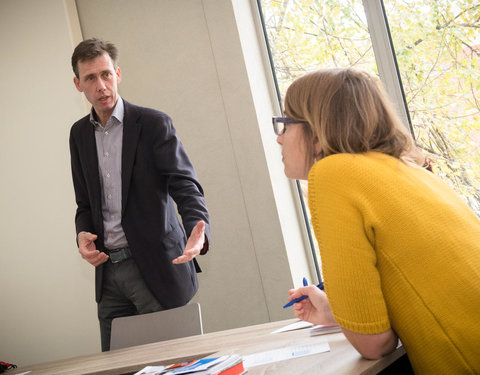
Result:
{"points": [[400, 250]]}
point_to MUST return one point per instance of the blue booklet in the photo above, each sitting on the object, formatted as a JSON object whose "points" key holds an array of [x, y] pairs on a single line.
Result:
{"points": [[209, 365]]}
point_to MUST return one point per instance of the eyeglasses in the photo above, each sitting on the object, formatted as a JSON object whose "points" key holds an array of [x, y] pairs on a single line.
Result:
{"points": [[280, 124]]}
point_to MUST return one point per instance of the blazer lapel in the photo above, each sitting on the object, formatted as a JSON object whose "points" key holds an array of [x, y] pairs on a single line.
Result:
{"points": [[131, 133], [93, 177]]}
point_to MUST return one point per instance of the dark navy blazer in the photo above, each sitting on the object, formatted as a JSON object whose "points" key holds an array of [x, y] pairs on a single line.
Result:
{"points": [[155, 172]]}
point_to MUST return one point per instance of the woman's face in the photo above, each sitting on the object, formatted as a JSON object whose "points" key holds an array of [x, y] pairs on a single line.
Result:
{"points": [[294, 152]]}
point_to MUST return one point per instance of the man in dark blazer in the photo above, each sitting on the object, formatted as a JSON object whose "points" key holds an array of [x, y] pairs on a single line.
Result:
{"points": [[128, 167]]}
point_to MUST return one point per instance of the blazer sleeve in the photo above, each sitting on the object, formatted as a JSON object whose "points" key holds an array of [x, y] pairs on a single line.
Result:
{"points": [[183, 186], [83, 221]]}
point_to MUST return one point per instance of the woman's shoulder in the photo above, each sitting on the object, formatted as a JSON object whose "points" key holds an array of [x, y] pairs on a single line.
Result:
{"points": [[353, 164]]}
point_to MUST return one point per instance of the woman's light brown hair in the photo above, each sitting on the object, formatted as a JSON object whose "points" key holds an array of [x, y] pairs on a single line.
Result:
{"points": [[348, 112]]}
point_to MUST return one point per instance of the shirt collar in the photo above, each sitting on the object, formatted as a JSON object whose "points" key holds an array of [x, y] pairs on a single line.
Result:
{"points": [[118, 113]]}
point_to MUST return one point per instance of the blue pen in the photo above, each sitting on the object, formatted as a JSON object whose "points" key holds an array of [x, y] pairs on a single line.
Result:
{"points": [[305, 283]]}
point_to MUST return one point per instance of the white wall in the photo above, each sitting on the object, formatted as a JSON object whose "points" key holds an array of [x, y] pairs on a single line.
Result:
{"points": [[46, 289], [203, 63]]}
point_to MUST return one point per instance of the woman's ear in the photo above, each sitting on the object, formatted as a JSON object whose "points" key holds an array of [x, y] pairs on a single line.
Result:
{"points": [[317, 149]]}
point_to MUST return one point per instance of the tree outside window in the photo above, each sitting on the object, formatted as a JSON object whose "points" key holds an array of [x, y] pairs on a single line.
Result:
{"points": [[437, 45], [437, 48]]}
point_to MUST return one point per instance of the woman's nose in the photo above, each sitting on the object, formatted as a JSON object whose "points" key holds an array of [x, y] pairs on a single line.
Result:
{"points": [[280, 139]]}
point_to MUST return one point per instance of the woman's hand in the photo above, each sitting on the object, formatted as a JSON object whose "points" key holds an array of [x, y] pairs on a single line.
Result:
{"points": [[314, 309]]}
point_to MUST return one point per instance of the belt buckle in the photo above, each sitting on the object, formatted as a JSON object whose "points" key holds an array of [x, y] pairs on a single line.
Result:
{"points": [[119, 255], [115, 261]]}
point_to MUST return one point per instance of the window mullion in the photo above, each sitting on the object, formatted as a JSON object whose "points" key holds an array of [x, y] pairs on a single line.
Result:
{"points": [[385, 57]]}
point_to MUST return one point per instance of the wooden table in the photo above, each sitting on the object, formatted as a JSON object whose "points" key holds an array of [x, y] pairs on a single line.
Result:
{"points": [[341, 359]]}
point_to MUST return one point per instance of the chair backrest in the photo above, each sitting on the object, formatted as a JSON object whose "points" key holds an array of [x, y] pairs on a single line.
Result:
{"points": [[158, 326]]}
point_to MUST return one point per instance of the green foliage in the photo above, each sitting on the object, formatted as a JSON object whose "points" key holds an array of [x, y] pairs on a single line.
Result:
{"points": [[437, 45]]}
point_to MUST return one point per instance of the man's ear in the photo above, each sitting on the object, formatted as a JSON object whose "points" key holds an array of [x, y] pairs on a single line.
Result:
{"points": [[77, 84], [119, 74]]}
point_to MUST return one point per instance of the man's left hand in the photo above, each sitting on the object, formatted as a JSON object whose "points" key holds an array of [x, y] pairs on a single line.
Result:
{"points": [[194, 244]]}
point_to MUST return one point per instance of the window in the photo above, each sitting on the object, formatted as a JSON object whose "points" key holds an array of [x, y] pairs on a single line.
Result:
{"points": [[436, 44], [307, 35]]}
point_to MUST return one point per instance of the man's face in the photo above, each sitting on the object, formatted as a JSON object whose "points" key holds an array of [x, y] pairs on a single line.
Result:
{"points": [[98, 80]]}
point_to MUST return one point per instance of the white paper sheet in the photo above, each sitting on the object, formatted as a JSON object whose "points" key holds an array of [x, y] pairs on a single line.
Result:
{"points": [[294, 326], [276, 355]]}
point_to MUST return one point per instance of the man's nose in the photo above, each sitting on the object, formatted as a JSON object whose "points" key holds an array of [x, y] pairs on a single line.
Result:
{"points": [[279, 139], [101, 85]]}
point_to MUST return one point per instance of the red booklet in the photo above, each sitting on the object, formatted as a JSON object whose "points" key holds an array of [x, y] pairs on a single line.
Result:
{"points": [[237, 369]]}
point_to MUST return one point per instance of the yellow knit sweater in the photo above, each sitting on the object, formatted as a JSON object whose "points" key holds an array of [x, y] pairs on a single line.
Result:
{"points": [[399, 250]]}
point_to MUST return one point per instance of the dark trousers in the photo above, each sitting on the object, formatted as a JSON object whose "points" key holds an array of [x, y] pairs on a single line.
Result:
{"points": [[124, 293]]}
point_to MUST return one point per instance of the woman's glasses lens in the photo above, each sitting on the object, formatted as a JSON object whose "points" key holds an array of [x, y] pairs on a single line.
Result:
{"points": [[279, 128]]}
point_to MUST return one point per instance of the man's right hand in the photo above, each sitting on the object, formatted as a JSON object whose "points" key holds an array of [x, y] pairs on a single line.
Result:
{"points": [[88, 251]]}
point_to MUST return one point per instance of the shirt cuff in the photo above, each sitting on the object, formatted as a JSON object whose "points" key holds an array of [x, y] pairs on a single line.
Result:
{"points": [[205, 247]]}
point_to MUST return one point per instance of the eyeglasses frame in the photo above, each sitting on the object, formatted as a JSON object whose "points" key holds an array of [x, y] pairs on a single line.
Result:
{"points": [[285, 121]]}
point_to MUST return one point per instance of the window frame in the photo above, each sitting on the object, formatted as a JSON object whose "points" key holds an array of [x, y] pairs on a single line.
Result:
{"points": [[389, 73]]}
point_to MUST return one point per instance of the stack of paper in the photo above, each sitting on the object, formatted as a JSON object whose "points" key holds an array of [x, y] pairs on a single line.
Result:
{"points": [[213, 366], [151, 370], [225, 365]]}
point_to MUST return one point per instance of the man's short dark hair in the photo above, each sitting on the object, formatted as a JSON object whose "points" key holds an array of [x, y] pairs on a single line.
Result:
{"points": [[90, 49]]}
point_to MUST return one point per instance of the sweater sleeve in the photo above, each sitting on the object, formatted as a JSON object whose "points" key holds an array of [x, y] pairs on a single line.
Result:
{"points": [[345, 230]]}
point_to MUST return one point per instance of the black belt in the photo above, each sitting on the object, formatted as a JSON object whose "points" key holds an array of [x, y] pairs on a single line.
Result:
{"points": [[120, 254]]}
